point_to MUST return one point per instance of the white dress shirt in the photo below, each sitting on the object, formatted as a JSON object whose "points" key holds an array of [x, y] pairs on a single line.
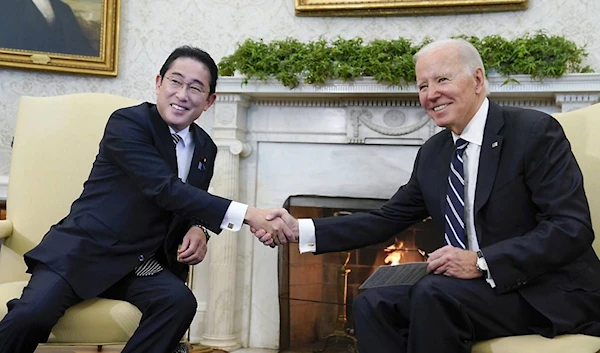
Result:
{"points": [[184, 150], [473, 133]]}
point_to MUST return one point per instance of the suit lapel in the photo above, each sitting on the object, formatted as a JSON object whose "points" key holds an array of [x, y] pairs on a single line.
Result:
{"points": [[197, 169], [164, 141], [489, 156], [443, 168]]}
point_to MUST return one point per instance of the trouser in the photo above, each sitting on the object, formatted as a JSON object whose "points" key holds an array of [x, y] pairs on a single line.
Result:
{"points": [[167, 307], [439, 314]]}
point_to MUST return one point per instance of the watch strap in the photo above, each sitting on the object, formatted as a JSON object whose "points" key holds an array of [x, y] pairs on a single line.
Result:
{"points": [[204, 230]]}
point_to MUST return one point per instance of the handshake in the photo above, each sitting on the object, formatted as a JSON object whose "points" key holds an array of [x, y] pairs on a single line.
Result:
{"points": [[272, 227]]}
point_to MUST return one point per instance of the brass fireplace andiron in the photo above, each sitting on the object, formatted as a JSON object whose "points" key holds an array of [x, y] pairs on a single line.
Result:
{"points": [[340, 331]]}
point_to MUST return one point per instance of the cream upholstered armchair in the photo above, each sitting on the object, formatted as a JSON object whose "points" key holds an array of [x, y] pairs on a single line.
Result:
{"points": [[582, 127], [56, 140]]}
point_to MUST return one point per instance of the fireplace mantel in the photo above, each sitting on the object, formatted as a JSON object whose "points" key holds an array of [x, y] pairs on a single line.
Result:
{"points": [[578, 87]]}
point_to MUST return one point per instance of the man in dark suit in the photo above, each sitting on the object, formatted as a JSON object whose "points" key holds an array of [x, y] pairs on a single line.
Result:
{"points": [[145, 196], [504, 189], [42, 25]]}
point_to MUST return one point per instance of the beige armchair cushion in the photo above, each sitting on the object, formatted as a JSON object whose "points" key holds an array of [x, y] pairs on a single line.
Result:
{"points": [[539, 344], [582, 128], [56, 141], [92, 322]]}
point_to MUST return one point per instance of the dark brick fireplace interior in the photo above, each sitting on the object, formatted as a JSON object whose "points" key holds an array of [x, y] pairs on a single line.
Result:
{"points": [[309, 285]]}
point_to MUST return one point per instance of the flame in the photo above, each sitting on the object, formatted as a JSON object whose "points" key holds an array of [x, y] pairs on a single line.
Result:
{"points": [[394, 253]]}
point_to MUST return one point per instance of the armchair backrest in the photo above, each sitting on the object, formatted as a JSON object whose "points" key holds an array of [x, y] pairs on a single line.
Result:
{"points": [[55, 142], [582, 128]]}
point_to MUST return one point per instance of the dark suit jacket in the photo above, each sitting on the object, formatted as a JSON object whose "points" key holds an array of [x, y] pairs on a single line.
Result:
{"points": [[531, 215], [22, 26], [133, 204]]}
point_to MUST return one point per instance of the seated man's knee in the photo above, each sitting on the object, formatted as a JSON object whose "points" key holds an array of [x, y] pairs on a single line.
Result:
{"points": [[377, 299], [362, 304], [431, 287], [183, 299]]}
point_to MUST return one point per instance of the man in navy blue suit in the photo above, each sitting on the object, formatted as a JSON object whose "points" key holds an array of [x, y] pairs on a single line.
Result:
{"points": [[521, 259], [140, 220]]}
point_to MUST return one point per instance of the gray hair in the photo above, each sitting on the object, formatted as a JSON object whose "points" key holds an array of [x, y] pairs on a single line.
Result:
{"points": [[467, 52]]}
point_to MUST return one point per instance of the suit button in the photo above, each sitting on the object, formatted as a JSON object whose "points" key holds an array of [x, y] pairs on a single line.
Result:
{"points": [[141, 258]]}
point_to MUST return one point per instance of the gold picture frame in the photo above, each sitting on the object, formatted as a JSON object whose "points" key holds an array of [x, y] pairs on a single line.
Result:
{"points": [[402, 7], [75, 36]]}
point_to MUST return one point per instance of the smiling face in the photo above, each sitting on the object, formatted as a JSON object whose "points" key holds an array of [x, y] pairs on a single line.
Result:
{"points": [[180, 106], [449, 94]]}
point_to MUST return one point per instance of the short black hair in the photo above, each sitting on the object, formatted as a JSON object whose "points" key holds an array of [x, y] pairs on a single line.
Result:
{"points": [[197, 54]]}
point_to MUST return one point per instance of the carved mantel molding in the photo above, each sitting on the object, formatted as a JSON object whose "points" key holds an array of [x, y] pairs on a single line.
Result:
{"points": [[569, 88]]}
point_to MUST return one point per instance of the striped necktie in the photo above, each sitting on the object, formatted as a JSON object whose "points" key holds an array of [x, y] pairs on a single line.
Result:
{"points": [[151, 266], [455, 199], [176, 138]]}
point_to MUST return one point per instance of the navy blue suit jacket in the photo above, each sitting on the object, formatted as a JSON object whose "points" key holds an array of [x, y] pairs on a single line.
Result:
{"points": [[133, 204], [531, 215]]}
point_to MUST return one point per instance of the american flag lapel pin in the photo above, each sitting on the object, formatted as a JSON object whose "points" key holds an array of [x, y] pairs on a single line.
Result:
{"points": [[202, 163]]}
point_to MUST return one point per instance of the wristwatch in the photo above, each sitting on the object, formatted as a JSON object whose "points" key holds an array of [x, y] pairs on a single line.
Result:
{"points": [[481, 264]]}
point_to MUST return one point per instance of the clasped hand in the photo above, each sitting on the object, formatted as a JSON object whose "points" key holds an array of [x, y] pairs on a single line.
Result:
{"points": [[272, 227]]}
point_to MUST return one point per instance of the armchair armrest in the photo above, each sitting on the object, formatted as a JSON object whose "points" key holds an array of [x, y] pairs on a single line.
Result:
{"points": [[6, 228]]}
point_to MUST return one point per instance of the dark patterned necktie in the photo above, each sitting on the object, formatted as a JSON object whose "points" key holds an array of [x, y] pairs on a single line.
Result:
{"points": [[455, 199], [151, 266]]}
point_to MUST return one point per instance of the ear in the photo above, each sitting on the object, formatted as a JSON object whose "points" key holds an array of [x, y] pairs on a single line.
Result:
{"points": [[479, 78], [158, 83], [210, 101]]}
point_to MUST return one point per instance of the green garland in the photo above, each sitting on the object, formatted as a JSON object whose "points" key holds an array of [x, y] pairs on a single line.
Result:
{"points": [[390, 61]]}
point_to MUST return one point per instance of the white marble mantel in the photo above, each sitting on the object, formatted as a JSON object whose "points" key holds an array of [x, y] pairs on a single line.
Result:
{"points": [[572, 84], [349, 139]]}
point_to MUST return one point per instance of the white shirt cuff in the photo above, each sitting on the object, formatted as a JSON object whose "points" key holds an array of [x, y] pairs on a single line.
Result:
{"points": [[489, 278], [234, 217], [307, 240]]}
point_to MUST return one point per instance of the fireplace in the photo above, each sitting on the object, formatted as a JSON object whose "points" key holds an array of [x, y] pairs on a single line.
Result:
{"points": [[312, 287]]}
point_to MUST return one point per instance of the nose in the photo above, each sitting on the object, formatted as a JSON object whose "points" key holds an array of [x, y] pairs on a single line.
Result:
{"points": [[432, 92], [181, 93]]}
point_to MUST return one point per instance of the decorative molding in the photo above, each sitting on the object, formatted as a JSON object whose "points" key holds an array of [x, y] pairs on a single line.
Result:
{"points": [[364, 116], [233, 98], [577, 98], [367, 87], [311, 102], [527, 103]]}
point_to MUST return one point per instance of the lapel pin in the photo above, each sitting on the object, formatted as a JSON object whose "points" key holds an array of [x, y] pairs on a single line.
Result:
{"points": [[495, 144], [201, 164]]}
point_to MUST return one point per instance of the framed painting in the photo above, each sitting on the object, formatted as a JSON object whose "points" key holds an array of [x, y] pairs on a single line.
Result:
{"points": [[77, 36], [402, 7]]}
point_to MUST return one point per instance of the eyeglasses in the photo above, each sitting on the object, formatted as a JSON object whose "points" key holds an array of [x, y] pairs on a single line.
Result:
{"points": [[175, 84]]}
